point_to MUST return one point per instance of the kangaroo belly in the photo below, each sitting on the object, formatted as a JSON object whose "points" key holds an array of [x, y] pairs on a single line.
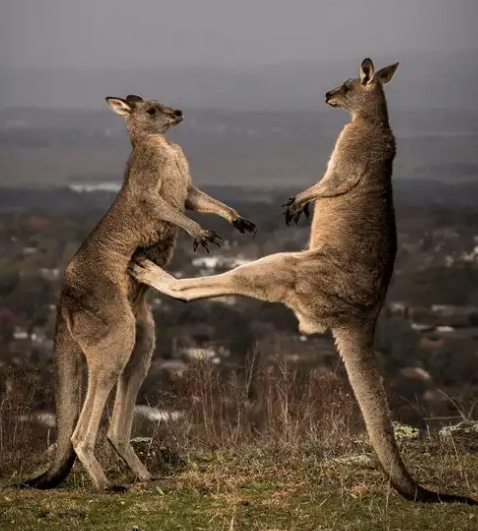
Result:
{"points": [[162, 250]]}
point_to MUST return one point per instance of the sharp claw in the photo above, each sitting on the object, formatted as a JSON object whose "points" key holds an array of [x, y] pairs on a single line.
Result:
{"points": [[244, 225], [289, 202], [307, 211]]}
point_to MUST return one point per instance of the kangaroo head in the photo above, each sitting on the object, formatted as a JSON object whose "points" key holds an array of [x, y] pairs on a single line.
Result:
{"points": [[363, 94], [145, 116]]}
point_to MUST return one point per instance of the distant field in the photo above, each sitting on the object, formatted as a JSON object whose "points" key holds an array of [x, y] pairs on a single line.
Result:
{"points": [[53, 166], [245, 162], [263, 149]]}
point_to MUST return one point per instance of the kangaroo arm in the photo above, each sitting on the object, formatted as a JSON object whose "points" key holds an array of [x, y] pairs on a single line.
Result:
{"points": [[199, 201], [149, 180], [338, 180], [163, 211], [331, 185]]}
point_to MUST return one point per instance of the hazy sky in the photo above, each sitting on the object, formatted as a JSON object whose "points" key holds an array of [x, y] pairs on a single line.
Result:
{"points": [[112, 33]]}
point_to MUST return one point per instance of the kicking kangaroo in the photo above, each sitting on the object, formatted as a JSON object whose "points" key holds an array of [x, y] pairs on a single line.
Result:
{"points": [[103, 313], [341, 281]]}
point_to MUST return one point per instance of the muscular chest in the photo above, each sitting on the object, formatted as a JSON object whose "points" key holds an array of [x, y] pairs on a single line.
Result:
{"points": [[176, 180]]}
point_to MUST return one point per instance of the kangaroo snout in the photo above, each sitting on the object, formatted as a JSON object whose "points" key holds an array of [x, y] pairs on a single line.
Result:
{"points": [[178, 116], [329, 98]]}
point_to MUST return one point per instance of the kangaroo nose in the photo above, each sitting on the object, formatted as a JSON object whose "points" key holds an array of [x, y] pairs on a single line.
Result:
{"points": [[178, 113], [327, 96]]}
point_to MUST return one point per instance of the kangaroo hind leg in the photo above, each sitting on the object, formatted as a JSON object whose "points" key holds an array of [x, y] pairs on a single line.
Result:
{"points": [[272, 278], [106, 359], [130, 380]]}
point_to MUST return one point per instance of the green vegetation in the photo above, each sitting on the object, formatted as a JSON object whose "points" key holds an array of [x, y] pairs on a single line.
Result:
{"points": [[254, 490]]}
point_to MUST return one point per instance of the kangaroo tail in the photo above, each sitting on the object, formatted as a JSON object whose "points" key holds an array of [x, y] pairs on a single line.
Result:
{"points": [[356, 348], [67, 373]]}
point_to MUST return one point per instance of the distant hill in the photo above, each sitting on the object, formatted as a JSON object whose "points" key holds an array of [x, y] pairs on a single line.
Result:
{"points": [[425, 79], [45, 147]]}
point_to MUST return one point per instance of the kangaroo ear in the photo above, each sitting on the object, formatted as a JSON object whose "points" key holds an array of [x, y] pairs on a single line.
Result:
{"points": [[367, 71], [132, 98], [119, 105], [386, 73]]}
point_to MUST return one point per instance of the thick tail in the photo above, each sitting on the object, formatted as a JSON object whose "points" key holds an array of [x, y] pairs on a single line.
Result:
{"points": [[356, 349], [67, 375]]}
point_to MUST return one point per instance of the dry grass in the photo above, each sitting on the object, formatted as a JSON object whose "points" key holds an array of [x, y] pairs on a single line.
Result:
{"points": [[19, 441], [252, 453], [272, 409]]}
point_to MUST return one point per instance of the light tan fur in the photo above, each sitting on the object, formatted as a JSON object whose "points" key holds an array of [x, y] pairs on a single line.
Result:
{"points": [[103, 312], [341, 281]]}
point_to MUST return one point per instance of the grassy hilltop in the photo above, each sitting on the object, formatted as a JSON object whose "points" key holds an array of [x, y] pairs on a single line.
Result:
{"points": [[294, 458]]}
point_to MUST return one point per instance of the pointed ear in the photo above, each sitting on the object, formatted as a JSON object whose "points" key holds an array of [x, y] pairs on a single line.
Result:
{"points": [[119, 105], [133, 98], [367, 71], [386, 73]]}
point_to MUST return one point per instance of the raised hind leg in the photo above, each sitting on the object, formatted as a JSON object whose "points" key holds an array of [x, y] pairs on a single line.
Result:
{"points": [[130, 381], [282, 277], [106, 359], [272, 278], [305, 279]]}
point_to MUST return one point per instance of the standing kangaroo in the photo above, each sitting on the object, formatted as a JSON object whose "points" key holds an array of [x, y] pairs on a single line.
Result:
{"points": [[341, 281], [103, 312]]}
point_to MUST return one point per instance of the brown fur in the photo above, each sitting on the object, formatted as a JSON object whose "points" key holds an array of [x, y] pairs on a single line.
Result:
{"points": [[341, 281], [103, 312]]}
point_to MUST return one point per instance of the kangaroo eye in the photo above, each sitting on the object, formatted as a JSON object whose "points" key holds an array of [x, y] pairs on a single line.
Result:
{"points": [[151, 111], [346, 88]]}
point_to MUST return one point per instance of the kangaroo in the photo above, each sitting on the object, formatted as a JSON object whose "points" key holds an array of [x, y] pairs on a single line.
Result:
{"points": [[103, 313], [341, 281]]}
